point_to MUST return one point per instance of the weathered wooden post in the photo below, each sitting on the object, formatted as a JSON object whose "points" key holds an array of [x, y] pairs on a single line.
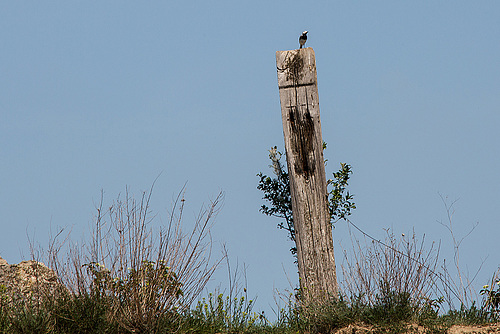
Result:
{"points": [[298, 89]]}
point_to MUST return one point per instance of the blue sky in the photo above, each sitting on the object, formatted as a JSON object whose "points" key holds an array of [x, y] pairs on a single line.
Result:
{"points": [[107, 94]]}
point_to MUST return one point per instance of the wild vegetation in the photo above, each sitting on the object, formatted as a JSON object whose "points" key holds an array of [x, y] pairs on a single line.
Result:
{"points": [[132, 278]]}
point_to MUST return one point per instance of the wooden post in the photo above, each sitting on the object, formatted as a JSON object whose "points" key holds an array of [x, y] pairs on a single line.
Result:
{"points": [[298, 89]]}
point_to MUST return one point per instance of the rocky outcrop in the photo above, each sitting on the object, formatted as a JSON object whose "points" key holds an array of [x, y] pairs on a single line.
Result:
{"points": [[27, 280]]}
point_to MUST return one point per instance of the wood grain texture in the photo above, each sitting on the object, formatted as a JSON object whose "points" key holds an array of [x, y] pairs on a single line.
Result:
{"points": [[297, 82]]}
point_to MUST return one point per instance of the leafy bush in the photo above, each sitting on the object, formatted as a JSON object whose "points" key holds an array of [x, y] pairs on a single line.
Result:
{"points": [[277, 193], [141, 298]]}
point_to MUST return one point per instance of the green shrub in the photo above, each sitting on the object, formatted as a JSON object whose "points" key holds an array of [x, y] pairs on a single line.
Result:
{"points": [[218, 314]]}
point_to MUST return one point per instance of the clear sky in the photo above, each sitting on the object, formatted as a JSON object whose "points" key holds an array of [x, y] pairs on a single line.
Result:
{"points": [[107, 94]]}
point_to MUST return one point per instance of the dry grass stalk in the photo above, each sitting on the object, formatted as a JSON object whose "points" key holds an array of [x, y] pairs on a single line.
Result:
{"points": [[405, 265], [139, 271]]}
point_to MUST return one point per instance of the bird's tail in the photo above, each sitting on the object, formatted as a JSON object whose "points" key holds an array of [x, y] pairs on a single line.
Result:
{"points": [[300, 47]]}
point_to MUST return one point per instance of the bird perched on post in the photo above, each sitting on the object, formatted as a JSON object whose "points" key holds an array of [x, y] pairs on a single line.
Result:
{"points": [[303, 39]]}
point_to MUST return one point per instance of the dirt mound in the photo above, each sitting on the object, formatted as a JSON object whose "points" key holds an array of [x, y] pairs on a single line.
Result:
{"points": [[494, 328], [359, 329], [28, 279]]}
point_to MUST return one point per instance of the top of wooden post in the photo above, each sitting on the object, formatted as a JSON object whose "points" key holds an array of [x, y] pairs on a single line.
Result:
{"points": [[296, 67]]}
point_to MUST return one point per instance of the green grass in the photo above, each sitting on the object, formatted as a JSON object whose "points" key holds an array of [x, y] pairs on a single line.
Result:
{"points": [[89, 313]]}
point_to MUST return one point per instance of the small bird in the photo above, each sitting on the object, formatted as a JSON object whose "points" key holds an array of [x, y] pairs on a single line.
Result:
{"points": [[303, 39]]}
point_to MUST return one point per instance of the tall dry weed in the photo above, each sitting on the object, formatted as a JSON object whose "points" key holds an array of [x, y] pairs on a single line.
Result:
{"points": [[145, 275]]}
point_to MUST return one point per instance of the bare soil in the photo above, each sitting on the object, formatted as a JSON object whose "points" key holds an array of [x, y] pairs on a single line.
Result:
{"points": [[493, 328]]}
